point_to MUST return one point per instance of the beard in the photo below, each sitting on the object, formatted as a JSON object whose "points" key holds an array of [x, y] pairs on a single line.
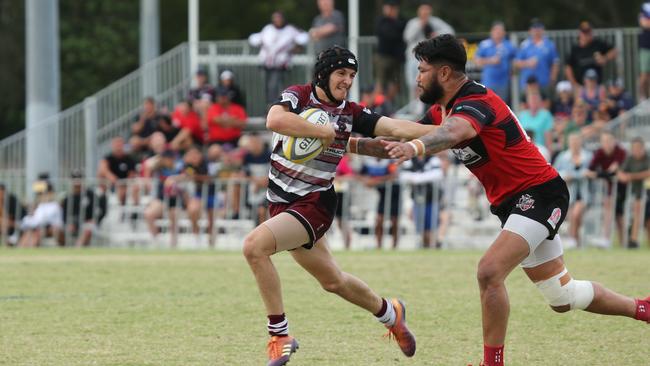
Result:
{"points": [[433, 93]]}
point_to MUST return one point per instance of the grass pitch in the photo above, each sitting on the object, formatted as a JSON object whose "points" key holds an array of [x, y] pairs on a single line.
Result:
{"points": [[121, 307]]}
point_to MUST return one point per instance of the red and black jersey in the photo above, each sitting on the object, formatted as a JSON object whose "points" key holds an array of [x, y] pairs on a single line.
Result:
{"points": [[501, 156]]}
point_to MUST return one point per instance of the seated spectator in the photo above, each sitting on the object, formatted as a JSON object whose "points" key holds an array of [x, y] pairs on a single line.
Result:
{"points": [[634, 171], [161, 167], [116, 168], [176, 138], [374, 100], [256, 167], [563, 103], [538, 119], [82, 211], [542, 149], [617, 100], [533, 87], [144, 126], [227, 80], [573, 165], [11, 211], [605, 165], [381, 174], [592, 93], [46, 216], [189, 122], [203, 90], [196, 170], [225, 121], [579, 122]]}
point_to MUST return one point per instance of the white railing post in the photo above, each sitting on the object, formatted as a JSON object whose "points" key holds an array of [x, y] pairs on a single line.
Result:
{"points": [[90, 121]]}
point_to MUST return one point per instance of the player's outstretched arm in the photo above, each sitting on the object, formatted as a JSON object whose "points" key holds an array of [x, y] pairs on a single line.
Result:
{"points": [[401, 128], [368, 146], [280, 120]]}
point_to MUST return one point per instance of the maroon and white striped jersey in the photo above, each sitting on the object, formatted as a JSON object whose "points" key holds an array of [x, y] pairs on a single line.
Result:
{"points": [[288, 181]]}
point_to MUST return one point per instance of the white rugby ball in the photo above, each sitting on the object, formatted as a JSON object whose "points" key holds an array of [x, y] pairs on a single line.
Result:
{"points": [[303, 149]]}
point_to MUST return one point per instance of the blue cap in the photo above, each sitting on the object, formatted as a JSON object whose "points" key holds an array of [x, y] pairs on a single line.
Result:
{"points": [[645, 9]]}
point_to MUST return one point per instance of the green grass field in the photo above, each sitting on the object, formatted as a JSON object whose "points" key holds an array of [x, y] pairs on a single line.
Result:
{"points": [[121, 307]]}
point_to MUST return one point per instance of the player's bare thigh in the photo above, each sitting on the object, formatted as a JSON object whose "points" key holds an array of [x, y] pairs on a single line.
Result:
{"points": [[287, 232]]}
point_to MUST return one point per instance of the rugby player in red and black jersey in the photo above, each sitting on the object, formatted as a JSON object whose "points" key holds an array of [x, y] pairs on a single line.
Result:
{"points": [[302, 201], [525, 192]]}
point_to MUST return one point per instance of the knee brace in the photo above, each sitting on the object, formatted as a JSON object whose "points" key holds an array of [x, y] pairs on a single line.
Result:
{"points": [[576, 294]]}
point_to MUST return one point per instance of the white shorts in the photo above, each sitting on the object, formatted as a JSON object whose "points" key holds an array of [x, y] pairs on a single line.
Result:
{"points": [[46, 213], [541, 249]]}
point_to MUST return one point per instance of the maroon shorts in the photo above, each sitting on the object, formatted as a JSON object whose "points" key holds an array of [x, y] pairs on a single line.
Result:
{"points": [[315, 211]]}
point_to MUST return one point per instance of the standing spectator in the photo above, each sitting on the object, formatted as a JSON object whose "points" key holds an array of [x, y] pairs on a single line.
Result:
{"points": [[189, 122], [328, 27], [425, 175], [144, 126], [344, 177], [225, 121], [382, 174], [618, 100], [644, 52], [277, 40], [563, 102], [11, 210], [423, 26], [376, 101], [634, 171], [495, 56], [537, 56], [116, 168], [573, 165], [589, 53], [195, 169], [46, 217], [389, 59], [256, 167], [605, 165], [83, 211], [538, 119], [227, 80]]}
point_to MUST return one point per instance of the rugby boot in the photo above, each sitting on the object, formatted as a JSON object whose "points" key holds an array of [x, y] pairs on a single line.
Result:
{"points": [[403, 336], [280, 350]]}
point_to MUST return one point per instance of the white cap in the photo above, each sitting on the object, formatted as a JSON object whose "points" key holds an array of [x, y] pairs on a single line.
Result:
{"points": [[226, 75], [563, 86]]}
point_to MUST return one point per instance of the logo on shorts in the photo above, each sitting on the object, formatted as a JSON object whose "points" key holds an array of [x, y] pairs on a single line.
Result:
{"points": [[526, 202], [555, 217]]}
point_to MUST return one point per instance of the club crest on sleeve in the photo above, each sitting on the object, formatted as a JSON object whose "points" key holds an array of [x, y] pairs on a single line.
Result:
{"points": [[526, 202]]}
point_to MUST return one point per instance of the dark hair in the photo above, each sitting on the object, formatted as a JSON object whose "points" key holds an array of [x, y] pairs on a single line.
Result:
{"points": [[445, 49]]}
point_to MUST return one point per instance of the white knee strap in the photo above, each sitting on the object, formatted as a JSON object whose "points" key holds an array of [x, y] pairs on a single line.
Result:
{"points": [[577, 294]]}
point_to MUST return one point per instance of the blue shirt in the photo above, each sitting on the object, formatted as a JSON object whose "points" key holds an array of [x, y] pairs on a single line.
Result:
{"points": [[546, 55], [496, 75], [540, 123]]}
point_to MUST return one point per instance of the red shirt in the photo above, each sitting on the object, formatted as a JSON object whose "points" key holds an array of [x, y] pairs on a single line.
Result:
{"points": [[220, 133], [190, 121], [501, 156]]}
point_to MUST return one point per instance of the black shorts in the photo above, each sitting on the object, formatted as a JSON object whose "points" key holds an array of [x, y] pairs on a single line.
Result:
{"points": [[546, 203], [394, 200]]}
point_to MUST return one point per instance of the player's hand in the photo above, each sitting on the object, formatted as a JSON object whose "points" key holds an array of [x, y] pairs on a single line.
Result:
{"points": [[399, 150], [328, 135]]}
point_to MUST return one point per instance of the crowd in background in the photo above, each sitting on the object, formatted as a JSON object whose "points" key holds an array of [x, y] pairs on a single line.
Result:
{"points": [[202, 140]]}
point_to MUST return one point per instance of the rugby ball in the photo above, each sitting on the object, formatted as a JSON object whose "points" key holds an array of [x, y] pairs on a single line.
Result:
{"points": [[303, 149]]}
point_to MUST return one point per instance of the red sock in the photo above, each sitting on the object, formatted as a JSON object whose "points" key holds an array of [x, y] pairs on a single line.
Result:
{"points": [[493, 356], [642, 310]]}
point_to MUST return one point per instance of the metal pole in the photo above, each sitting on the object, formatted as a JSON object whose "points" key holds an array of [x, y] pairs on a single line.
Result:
{"points": [[149, 44], [353, 40], [43, 87], [90, 120], [193, 35]]}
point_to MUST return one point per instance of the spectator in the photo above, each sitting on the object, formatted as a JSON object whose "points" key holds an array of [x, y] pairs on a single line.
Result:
{"points": [[227, 80], [344, 176], [592, 93], [537, 56], [11, 210], [328, 27], [381, 174], [579, 122], [225, 121], [533, 87], [546, 153], [167, 128], [634, 171], [189, 122], [389, 59], [589, 53], [203, 90], [563, 103], [256, 167], [644, 52], [277, 40], [618, 100], [376, 101], [573, 164], [425, 176], [605, 165], [417, 29], [195, 169], [495, 56], [161, 167], [144, 126], [46, 216], [116, 168], [83, 211], [538, 119]]}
